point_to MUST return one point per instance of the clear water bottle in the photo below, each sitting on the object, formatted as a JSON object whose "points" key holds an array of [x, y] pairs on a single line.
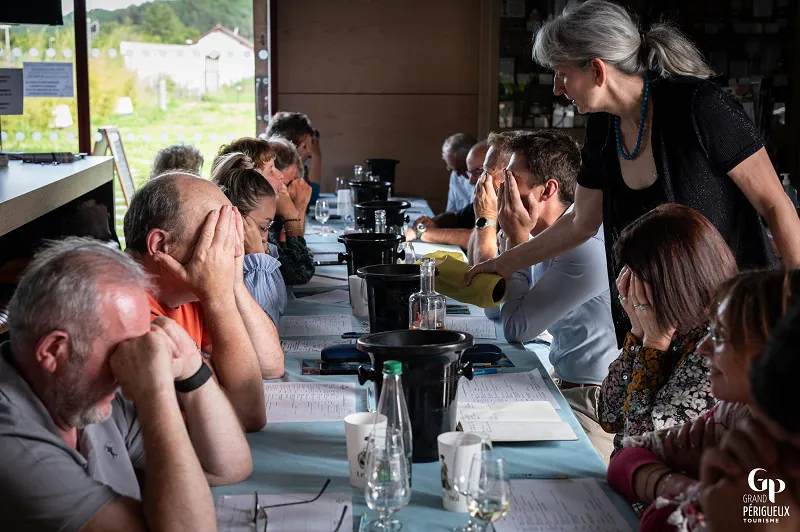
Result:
{"points": [[344, 200], [358, 173], [790, 190], [392, 404], [380, 221], [426, 308]]}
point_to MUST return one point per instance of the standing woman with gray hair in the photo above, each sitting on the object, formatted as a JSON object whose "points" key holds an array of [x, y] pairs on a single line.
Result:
{"points": [[659, 132]]}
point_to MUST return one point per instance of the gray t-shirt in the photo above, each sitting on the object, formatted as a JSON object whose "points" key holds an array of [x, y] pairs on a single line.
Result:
{"points": [[46, 485]]}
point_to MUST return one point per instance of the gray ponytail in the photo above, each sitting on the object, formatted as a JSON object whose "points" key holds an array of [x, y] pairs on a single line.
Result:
{"points": [[604, 30]]}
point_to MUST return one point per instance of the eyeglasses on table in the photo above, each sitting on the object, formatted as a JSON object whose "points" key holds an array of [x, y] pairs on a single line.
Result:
{"points": [[258, 509]]}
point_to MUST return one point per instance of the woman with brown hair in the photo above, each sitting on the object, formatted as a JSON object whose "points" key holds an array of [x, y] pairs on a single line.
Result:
{"points": [[674, 259], [666, 463]]}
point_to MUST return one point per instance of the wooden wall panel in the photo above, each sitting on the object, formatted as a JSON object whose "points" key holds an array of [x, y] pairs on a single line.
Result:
{"points": [[378, 46], [382, 79], [409, 128]]}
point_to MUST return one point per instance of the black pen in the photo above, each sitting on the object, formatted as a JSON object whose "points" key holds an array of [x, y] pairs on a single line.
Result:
{"points": [[349, 335]]}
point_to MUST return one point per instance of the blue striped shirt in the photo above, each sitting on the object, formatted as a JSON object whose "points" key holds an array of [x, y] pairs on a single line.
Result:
{"points": [[264, 281]]}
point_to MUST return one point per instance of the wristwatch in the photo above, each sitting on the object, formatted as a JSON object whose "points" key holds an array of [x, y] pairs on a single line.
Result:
{"points": [[482, 223]]}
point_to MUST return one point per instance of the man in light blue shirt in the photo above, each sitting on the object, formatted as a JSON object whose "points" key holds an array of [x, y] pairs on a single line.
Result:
{"points": [[567, 295], [454, 154]]}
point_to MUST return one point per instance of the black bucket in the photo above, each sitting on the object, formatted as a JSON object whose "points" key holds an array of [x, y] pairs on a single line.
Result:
{"points": [[370, 190], [368, 249], [383, 168], [388, 289], [395, 213], [431, 370]]}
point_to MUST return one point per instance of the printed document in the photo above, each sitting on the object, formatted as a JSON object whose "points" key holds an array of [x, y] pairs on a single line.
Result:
{"points": [[297, 402]]}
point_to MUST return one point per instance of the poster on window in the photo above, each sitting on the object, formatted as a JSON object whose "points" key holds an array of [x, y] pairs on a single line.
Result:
{"points": [[11, 91], [48, 80]]}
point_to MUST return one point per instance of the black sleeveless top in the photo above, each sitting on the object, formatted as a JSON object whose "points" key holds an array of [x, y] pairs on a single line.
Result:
{"points": [[699, 134]]}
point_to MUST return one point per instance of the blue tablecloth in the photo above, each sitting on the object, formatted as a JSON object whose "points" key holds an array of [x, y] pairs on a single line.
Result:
{"points": [[298, 457]]}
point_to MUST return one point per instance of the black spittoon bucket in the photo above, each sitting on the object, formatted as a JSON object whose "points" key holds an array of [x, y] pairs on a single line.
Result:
{"points": [[368, 249], [388, 288], [395, 213], [370, 190], [384, 168], [432, 368]]}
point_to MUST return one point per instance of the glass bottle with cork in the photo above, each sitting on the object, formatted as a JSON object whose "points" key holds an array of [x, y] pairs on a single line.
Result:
{"points": [[426, 308]]}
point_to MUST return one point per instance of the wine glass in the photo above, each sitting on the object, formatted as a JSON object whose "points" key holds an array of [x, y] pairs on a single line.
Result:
{"points": [[406, 253], [488, 492], [322, 213], [387, 489]]}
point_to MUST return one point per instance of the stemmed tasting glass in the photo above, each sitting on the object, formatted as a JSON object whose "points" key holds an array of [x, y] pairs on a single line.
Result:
{"points": [[387, 489], [321, 214], [488, 492]]}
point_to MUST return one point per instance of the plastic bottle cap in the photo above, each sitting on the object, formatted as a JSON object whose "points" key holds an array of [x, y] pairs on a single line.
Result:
{"points": [[392, 367]]}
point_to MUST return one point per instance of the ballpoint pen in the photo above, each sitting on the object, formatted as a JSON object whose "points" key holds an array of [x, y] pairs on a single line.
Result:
{"points": [[484, 371], [539, 476]]}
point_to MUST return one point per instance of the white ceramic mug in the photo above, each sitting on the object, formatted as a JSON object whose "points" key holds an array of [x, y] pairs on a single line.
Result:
{"points": [[456, 451], [357, 430]]}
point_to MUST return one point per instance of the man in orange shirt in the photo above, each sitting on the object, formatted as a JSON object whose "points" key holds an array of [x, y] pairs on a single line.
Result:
{"points": [[189, 238]]}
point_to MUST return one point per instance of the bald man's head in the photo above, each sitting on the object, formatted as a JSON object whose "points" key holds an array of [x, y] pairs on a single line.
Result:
{"points": [[475, 159], [176, 203]]}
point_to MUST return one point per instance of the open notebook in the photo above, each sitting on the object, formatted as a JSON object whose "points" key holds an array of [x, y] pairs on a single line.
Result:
{"points": [[516, 421]]}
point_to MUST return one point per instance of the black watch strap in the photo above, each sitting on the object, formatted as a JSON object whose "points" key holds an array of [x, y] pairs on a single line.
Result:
{"points": [[195, 381]]}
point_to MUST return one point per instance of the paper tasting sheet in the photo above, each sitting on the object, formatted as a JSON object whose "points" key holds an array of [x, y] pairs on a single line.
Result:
{"points": [[552, 505], [506, 387], [334, 296], [235, 513], [313, 346], [477, 326], [539, 411], [519, 421], [289, 402], [315, 325]]}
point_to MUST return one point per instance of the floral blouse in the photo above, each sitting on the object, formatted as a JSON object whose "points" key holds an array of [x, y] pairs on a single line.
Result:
{"points": [[647, 389]]}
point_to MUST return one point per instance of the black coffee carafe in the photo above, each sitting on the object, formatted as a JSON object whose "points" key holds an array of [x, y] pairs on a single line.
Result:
{"points": [[432, 368]]}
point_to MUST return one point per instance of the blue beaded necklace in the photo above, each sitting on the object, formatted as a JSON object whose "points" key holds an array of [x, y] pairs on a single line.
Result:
{"points": [[639, 133]]}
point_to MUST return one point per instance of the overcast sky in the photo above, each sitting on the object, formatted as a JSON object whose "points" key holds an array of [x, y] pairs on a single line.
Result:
{"points": [[111, 5]]}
